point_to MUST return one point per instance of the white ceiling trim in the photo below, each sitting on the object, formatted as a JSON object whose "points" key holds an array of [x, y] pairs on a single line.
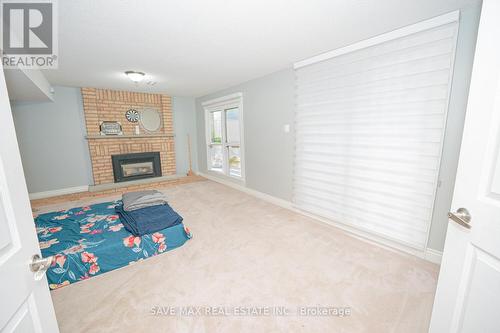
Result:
{"points": [[398, 33]]}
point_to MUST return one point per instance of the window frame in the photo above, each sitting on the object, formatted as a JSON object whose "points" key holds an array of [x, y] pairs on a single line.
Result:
{"points": [[224, 104]]}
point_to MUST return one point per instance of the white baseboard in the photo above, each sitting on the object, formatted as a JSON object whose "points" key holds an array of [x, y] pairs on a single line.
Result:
{"points": [[433, 256], [62, 191], [429, 254], [269, 198]]}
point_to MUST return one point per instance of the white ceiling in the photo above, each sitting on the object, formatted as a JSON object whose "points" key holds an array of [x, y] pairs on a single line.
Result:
{"points": [[195, 47]]}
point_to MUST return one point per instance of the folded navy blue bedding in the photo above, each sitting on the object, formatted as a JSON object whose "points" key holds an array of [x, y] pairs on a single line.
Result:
{"points": [[149, 219]]}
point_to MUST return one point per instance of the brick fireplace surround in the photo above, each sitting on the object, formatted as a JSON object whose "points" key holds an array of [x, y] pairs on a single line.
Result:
{"points": [[111, 105]]}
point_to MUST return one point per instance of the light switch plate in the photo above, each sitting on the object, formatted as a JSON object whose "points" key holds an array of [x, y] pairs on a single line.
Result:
{"points": [[286, 128]]}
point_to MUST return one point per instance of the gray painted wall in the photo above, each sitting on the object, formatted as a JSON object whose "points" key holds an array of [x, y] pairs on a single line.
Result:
{"points": [[184, 111], [54, 151], [51, 139], [268, 104], [467, 35]]}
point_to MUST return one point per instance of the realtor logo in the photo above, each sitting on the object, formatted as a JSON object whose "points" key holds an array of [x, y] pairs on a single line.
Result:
{"points": [[29, 38]]}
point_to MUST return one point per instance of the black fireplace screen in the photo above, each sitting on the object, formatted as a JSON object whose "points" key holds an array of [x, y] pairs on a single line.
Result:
{"points": [[136, 166]]}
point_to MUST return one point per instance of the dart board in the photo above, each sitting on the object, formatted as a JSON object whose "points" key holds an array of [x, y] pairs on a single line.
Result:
{"points": [[132, 115]]}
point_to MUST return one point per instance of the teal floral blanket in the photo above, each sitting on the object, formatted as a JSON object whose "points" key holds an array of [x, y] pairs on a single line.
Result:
{"points": [[88, 241]]}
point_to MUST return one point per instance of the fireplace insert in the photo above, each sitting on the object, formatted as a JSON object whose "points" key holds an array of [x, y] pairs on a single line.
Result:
{"points": [[136, 166]]}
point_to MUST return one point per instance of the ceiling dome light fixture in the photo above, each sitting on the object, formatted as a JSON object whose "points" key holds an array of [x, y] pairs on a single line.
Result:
{"points": [[135, 76]]}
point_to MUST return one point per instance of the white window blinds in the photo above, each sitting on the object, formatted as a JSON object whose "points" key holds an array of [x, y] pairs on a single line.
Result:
{"points": [[369, 131]]}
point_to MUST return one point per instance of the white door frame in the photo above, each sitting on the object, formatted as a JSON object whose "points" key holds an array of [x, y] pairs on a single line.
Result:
{"points": [[26, 303], [468, 291]]}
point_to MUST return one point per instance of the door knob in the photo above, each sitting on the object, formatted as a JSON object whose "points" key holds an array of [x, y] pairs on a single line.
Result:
{"points": [[40, 265], [462, 217]]}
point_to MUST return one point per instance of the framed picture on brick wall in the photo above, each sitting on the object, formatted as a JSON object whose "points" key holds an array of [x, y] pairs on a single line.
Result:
{"points": [[111, 128]]}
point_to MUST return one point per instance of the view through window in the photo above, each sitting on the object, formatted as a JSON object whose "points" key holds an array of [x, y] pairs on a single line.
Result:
{"points": [[224, 137]]}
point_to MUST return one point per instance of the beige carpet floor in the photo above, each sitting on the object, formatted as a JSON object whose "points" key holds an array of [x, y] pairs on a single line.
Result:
{"points": [[248, 255]]}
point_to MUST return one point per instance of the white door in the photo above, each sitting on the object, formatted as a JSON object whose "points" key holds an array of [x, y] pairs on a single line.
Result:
{"points": [[468, 291], [25, 303]]}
